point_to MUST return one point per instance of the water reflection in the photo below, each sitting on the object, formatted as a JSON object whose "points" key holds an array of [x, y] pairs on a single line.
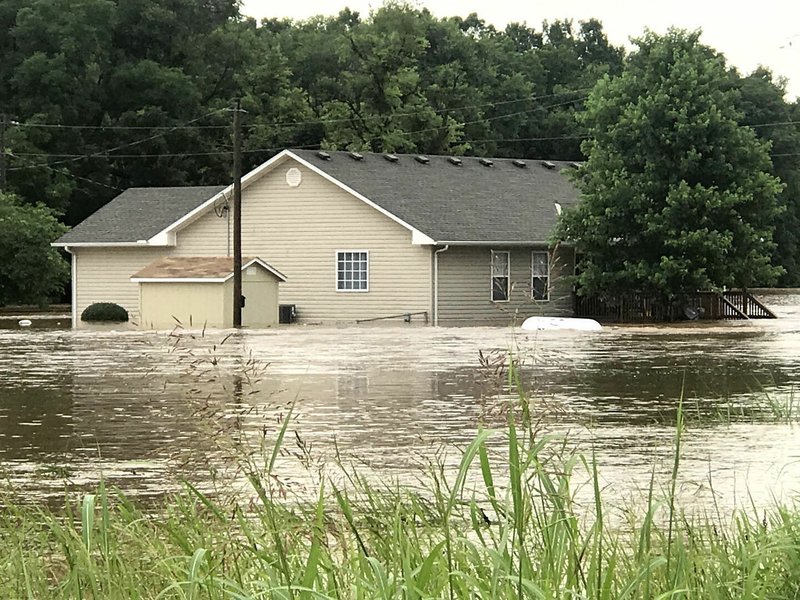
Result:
{"points": [[131, 406]]}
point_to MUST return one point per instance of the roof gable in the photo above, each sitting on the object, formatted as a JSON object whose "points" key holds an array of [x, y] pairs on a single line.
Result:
{"points": [[469, 200], [198, 268], [137, 214]]}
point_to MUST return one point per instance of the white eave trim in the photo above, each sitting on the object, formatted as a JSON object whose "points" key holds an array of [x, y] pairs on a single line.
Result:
{"points": [[417, 237], [138, 244], [249, 263], [179, 279], [267, 267], [494, 243]]}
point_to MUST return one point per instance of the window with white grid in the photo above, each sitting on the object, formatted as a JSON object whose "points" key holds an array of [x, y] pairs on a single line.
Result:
{"points": [[501, 280], [352, 271], [540, 275]]}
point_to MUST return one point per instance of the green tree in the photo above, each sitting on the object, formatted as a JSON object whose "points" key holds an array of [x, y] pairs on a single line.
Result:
{"points": [[677, 195], [762, 102], [31, 272]]}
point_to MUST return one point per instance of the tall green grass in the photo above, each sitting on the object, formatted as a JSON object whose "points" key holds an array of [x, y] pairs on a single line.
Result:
{"points": [[499, 527]]}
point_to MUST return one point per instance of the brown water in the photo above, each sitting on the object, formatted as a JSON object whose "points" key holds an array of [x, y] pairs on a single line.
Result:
{"points": [[132, 407]]}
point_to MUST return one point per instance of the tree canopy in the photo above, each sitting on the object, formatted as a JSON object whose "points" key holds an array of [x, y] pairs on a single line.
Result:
{"points": [[109, 94], [31, 271], [677, 194]]}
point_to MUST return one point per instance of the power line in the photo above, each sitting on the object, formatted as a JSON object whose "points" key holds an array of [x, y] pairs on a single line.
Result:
{"points": [[64, 171], [121, 146], [107, 153], [296, 123]]}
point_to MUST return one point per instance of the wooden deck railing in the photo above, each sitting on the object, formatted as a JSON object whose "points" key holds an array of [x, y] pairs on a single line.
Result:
{"points": [[729, 305]]}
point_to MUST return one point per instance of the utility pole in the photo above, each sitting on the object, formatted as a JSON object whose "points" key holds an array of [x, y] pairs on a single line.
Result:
{"points": [[237, 216], [2, 152]]}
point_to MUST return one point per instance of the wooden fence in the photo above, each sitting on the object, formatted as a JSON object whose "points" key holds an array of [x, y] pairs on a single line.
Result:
{"points": [[733, 304]]}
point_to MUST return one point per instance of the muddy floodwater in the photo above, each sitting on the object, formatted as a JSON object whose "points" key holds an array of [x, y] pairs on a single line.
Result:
{"points": [[141, 409]]}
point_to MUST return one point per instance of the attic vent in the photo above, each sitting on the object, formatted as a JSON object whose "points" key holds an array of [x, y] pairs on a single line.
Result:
{"points": [[548, 165], [356, 156], [294, 177], [558, 208], [454, 160], [424, 160], [391, 157], [518, 163], [323, 155], [486, 162]]}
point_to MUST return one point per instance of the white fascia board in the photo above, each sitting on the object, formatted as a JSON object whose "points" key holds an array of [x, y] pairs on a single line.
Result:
{"points": [[420, 239], [493, 243], [178, 279], [104, 244], [266, 267]]}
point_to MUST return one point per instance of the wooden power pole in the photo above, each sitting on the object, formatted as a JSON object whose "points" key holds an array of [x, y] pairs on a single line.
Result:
{"points": [[2, 152], [237, 216]]}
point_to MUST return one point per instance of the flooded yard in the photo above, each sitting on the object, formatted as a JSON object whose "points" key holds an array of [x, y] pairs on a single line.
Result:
{"points": [[140, 409]]}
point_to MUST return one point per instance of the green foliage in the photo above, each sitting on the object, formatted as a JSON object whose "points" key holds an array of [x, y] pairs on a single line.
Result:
{"points": [[31, 271], [464, 535], [104, 312], [677, 195], [778, 122]]}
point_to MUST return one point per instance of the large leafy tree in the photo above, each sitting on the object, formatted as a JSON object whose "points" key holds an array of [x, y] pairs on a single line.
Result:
{"points": [[677, 195], [31, 271], [776, 121]]}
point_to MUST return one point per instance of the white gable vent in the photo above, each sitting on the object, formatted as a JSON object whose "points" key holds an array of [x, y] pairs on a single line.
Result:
{"points": [[294, 177]]}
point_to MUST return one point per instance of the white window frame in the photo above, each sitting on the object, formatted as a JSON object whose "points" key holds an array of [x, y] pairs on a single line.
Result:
{"points": [[546, 277], [336, 272], [492, 275]]}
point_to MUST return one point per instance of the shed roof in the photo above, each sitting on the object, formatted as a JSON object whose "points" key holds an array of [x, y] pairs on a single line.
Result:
{"points": [[138, 214], [210, 268], [475, 201]]}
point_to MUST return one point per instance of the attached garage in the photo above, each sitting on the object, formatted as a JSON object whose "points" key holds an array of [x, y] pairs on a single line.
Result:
{"points": [[197, 292]]}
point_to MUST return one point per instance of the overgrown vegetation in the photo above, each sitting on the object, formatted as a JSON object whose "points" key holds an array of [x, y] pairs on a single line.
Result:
{"points": [[104, 312], [31, 271], [500, 527]]}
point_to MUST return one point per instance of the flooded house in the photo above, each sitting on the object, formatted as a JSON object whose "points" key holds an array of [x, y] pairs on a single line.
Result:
{"points": [[357, 237]]}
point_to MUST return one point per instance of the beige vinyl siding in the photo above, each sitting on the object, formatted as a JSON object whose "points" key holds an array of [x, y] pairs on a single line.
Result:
{"points": [[465, 287], [298, 230], [103, 275]]}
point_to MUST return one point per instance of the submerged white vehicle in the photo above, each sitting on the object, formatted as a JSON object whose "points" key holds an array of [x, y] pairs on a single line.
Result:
{"points": [[573, 323]]}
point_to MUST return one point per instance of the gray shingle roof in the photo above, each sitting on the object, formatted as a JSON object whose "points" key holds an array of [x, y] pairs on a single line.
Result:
{"points": [[467, 203], [138, 214]]}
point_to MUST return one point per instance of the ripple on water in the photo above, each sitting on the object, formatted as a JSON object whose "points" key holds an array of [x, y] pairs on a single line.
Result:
{"points": [[95, 403]]}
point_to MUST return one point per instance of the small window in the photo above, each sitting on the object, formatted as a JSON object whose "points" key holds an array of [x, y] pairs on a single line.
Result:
{"points": [[352, 271], [501, 270], [540, 276]]}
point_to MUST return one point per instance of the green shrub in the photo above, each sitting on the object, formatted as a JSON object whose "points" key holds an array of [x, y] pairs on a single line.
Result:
{"points": [[105, 311]]}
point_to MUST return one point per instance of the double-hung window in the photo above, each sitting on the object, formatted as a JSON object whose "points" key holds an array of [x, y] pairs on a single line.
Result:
{"points": [[540, 275], [501, 276], [352, 271]]}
